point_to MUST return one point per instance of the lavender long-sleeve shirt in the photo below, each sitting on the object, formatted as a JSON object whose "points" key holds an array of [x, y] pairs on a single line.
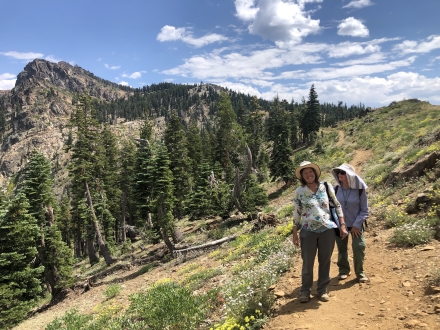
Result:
{"points": [[357, 210]]}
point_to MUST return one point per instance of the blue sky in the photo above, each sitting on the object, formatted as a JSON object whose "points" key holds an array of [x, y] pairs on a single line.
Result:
{"points": [[369, 51]]}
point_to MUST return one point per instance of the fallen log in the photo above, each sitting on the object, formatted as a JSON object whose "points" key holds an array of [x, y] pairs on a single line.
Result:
{"points": [[209, 244]]}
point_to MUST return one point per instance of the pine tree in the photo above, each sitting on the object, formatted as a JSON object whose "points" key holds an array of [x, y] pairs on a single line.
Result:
{"points": [[142, 180], [294, 125], [194, 146], [110, 182], [255, 130], [230, 137], [280, 164], [86, 169], [162, 196], [201, 201], [176, 143], [20, 284], [312, 115], [53, 253], [127, 159]]}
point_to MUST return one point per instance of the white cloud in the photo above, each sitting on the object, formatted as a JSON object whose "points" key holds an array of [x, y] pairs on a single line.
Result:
{"points": [[372, 91], [410, 46], [124, 83], [115, 67], [371, 59], [7, 81], [239, 87], [347, 48], [358, 4], [134, 75], [349, 71], [170, 33], [52, 58], [7, 76], [437, 58], [253, 65], [246, 10], [283, 21], [352, 27], [22, 56]]}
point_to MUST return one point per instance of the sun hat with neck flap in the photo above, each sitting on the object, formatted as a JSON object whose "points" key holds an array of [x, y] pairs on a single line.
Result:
{"points": [[354, 180], [307, 164]]}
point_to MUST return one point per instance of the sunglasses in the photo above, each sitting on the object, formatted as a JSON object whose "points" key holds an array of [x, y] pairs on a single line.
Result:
{"points": [[340, 172]]}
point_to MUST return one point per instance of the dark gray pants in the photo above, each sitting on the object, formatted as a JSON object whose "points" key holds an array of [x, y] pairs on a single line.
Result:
{"points": [[311, 242]]}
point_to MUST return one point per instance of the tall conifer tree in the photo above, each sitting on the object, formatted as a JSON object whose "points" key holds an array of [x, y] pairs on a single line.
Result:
{"points": [[20, 283], [176, 143], [280, 164], [53, 253]]}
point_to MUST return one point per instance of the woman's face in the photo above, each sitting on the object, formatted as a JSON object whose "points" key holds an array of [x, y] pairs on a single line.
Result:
{"points": [[342, 176], [308, 175]]}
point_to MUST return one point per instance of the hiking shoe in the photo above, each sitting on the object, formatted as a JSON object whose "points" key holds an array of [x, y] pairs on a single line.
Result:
{"points": [[305, 297], [363, 279], [324, 297], [343, 276]]}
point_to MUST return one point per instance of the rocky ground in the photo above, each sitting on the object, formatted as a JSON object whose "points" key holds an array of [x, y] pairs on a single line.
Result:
{"points": [[394, 298]]}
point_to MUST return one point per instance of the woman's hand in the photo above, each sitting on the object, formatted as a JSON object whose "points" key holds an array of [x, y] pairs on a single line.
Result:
{"points": [[356, 232], [343, 233], [295, 238]]}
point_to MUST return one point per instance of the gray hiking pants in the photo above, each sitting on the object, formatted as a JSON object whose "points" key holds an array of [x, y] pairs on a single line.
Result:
{"points": [[310, 243]]}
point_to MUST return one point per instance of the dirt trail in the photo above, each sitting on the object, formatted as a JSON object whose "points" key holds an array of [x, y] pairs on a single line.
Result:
{"points": [[393, 299]]}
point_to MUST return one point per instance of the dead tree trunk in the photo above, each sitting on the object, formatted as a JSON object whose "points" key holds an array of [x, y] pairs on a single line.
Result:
{"points": [[167, 241], [123, 235], [102, 246], [240, 180]]}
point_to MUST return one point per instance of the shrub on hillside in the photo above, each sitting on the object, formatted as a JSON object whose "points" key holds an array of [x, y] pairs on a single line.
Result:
{"points": [[412, 234]]}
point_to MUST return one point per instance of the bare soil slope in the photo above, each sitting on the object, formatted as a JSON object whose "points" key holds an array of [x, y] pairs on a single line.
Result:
{"points": [[393, 299]]}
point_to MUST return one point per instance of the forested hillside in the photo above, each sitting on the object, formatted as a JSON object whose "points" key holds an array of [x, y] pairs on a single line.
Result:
{"points": [[82, 182]]}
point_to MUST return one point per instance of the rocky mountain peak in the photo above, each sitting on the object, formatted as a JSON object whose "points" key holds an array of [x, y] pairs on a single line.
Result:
{"points": [[37, 109]]}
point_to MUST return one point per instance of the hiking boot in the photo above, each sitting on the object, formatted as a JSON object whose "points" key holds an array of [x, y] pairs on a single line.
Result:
{"points": [[324, 297], [305, 297], [363, 279], [343, 276]]}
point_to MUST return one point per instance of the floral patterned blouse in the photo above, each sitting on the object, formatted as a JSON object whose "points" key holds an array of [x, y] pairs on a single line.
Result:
{"points": [[312, 211]]}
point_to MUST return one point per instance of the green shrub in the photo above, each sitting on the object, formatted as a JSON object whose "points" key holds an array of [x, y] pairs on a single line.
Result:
{"points": [[433, 280], [112, 291], [126, 247], [70, 321], [168, 305], [285, 211], [249, 290], [412, 234]]}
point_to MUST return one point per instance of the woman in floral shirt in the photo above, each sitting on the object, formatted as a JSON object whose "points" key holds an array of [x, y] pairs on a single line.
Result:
{"points": [[312, 217]]}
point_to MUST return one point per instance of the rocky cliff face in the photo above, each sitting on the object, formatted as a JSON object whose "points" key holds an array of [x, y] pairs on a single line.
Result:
{"points": [[38, 108]]}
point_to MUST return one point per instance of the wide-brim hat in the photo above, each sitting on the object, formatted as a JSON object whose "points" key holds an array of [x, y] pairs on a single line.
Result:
{"points": [[307, 164], [344, 167], [354, 180]]}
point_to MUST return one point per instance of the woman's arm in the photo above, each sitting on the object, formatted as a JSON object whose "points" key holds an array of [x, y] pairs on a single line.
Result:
{"points": [[297, 209], [363, 211]]}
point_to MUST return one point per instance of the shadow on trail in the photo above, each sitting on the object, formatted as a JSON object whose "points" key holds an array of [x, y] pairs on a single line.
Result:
{"points": [[295, 305], [336, 285]]}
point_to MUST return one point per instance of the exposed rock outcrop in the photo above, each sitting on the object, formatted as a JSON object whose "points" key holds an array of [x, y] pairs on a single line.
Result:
{"points": [[424, 164], [38, 108]]}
